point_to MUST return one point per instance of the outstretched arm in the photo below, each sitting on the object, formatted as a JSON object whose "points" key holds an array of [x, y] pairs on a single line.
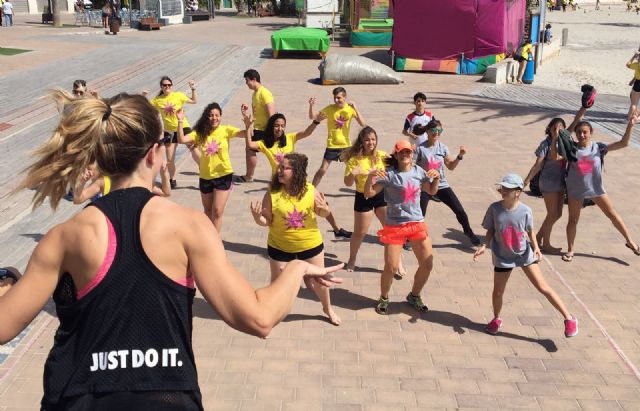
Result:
{"points": [[182, 139], [577, 119], [312, 113], [311, 127], [626, 137]]}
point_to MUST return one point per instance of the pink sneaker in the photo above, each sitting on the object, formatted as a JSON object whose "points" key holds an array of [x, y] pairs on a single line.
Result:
{"points": [[571, 327], [493, 327]]}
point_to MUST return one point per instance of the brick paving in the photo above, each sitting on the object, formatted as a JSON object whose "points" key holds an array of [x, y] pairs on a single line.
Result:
{"points": [[404, 361]]}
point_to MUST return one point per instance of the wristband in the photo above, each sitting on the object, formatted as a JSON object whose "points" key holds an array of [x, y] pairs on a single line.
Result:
{"points": [[180, 121], [316, 122], [459, 157]]}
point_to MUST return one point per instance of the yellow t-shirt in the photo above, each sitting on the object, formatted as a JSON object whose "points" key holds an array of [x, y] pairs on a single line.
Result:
{"points": [[294, 227], [636, 67], [338, 123], [215, 161], [526, 49], [365, 165], [261, 97], [276, 153], [168, 106]]}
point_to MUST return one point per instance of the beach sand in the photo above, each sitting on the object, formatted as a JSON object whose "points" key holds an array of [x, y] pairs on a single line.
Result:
{"points": [[599, 45]]}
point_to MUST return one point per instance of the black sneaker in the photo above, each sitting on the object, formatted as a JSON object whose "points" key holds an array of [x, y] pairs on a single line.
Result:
{"points": [[342, 233], [407, 246], [173, 184], [435, 198]]}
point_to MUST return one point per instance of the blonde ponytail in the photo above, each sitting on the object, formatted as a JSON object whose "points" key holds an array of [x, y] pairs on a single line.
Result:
{"points": [[115, 133]]}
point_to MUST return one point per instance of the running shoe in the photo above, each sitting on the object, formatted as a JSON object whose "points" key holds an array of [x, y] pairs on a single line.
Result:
{"points": [[382, 306], [493, 327], [435, 198], [407, 246], [571, 327], [173, 184], [416, 302], [342, 233]]}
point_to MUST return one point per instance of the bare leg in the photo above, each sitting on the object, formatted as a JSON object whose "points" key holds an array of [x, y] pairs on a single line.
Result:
{"points": [[499, 284], [276, 268], [171, 159], [605, 204], [207, 205], [332, 220], [575, 206], [554, 204], [381, 214], [220, 198], [634, 97], [321, 172], [323, 292], [361, 222], [424, 253], [535, 276], [391, 261], [252, 161]]}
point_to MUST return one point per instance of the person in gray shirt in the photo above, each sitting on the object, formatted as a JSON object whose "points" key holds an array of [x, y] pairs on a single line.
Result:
{"points": [[513, 243], [552, 169], [584, 180], [402, 183]]}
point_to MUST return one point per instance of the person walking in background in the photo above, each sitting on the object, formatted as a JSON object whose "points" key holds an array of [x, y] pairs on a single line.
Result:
{"points": [[263, 108], [634, 96], [7, 10], [521, 55]]}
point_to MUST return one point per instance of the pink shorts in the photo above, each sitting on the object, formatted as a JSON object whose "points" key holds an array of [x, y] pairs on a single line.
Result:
{"points": [[400, 234]]}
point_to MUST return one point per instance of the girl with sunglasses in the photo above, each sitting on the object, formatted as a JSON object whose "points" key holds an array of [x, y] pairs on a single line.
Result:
{"points": [[168, 103], [434, 155]]}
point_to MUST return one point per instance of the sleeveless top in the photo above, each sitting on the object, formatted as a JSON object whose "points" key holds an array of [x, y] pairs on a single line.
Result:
{"points": [[294, 227], [131, 333]]}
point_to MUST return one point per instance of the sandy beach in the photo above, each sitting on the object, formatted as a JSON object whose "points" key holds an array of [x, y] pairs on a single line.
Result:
{"points": [[600, 43]]}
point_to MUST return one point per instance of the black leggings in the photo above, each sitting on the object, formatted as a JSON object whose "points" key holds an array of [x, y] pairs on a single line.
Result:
{"points": [[451, 200]]}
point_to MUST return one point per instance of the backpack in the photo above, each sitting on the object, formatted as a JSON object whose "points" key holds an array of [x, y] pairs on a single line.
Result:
{"points": [[518, 51]]}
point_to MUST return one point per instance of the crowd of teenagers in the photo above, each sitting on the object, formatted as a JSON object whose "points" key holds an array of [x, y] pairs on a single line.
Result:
{"points": [[123, 275]]}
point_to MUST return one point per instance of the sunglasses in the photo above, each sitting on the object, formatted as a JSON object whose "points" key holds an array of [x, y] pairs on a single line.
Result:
{"points": [[436, 130], [78, 93], [166, 84]]}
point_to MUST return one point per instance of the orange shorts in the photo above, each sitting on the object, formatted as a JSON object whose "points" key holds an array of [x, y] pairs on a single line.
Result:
{"points": [[400, 234]]}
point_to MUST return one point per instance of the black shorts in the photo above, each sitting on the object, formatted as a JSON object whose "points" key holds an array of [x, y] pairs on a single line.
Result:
{"points": [[279, 255], [333, 154], [519, 58], [257, 135], [105, 15], [172, 136], [506, 270], [221, 183], [363, 205], [636, 86]]}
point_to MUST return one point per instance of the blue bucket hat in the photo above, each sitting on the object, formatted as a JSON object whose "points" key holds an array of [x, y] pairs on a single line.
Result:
{"points": [[512, 181]]}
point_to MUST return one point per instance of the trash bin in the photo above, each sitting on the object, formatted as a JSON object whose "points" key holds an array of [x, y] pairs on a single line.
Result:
{"points": [[527, 77], [114, 25]]}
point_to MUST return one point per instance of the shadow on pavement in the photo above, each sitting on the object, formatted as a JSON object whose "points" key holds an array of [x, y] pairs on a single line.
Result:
{"points": [[342, 298], [244, 248]]}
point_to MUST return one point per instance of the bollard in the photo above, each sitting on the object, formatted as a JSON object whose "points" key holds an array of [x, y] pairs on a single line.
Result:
{"points": [[565, 36]]}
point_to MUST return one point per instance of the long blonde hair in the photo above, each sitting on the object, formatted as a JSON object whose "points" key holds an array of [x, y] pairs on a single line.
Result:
{"points": [[115, 133]]}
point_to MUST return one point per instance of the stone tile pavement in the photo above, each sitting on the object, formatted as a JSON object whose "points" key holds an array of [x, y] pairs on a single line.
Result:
{"points": [[404, 361]]}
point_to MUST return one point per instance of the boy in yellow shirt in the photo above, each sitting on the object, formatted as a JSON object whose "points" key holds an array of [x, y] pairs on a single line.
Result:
{"points": [[263, 108]]}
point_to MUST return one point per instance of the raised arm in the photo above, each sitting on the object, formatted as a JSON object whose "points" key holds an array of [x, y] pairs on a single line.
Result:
{"points": [[631, 60], [248, 123], [577, 119], [371, 189], [311, 127], [312, 113], [182, 139], [359, 117], [165, 184], [626, 137], [234, 299], [194, 97], [452, 163], [261, 211], [321, 207]]}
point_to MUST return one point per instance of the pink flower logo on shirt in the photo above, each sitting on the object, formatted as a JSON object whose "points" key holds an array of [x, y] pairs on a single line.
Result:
{"points": [[278, 157], [169, 109], [511, 238], [341, 121], [409, 193], [585, 165], [295, 219], [212, 148], [432, 164]]}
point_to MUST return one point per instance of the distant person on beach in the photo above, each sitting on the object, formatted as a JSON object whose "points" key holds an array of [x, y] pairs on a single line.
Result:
{"points": [[634, 64], [521, 55]]}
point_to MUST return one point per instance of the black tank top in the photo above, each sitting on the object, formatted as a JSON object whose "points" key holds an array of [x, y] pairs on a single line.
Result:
{"points": [[130, 334]]}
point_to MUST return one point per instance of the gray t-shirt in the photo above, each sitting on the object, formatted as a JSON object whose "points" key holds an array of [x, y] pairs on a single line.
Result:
{"points": [[432, 158], [584, 179], [553, 171], [510, 245], [402, 194]]}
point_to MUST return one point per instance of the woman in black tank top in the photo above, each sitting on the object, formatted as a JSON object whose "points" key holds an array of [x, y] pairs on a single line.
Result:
{"points": [[124, 339]]}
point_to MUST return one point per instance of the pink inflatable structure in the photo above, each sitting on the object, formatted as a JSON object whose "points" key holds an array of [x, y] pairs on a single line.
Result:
{"points": [[439, 32]]}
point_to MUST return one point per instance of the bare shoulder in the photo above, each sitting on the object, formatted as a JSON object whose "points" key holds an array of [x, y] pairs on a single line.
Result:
{"points": [[170, 216]]}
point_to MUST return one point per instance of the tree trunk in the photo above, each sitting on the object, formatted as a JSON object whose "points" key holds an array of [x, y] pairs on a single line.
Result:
{"points": [[56, 13]]}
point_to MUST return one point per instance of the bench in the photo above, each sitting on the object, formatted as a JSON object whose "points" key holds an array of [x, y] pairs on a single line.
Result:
{"points": [[501, 72], [148, 24], [198, 15]]}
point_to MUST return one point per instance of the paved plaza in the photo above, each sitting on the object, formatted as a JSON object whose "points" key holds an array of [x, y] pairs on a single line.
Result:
{"points": [[441, 359]]}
